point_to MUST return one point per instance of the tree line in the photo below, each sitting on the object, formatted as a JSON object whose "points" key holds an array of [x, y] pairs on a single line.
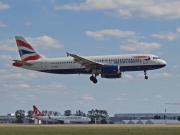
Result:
{"points": [[97, 116]]}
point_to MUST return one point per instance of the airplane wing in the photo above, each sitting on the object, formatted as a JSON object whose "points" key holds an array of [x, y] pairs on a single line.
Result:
{"points": [[89, 64], [60, 120]]}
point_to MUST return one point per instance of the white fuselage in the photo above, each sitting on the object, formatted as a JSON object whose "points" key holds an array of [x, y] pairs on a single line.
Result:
{"points": [[67, 65], [109, 66], [64, 119]]}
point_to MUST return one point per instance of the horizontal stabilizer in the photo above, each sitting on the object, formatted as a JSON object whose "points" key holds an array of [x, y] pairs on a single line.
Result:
{"points": [[19, 63]]}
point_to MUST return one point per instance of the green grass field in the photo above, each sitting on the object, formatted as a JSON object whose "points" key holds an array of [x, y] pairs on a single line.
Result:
{"points": [[86, 129]]}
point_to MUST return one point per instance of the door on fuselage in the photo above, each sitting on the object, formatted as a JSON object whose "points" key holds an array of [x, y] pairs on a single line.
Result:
{"points": [[43, 64], [145, 61]]}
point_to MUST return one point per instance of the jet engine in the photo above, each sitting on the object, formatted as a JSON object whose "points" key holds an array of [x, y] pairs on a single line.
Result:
{"points": [[67, 122], [64, 121], [110, 72]]}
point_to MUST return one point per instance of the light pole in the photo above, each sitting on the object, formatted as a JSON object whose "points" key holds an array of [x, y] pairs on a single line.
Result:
{"points": [[165, 116]]}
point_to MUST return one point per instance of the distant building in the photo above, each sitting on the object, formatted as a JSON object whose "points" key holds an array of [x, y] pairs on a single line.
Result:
{"points": [[7, 119], [11, 118], [124, 122], [132, 121], [142, 122], [119, 118], [140, 116], [10, 114], [153, 121]]}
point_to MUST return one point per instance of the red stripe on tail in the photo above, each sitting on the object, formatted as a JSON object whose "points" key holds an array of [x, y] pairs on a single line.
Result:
{"points": [[21, 43], [37, 112], [36, 57]]}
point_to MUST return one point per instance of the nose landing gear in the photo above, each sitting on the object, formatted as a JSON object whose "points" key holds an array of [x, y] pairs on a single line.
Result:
{"points": [[145, 73], [93, 79]]}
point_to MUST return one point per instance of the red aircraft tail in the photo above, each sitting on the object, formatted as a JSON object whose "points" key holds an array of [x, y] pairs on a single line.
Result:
{"points": [[37, 112]]}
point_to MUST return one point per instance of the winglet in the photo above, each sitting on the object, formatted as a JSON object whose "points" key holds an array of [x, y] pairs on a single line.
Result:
{"points": [[68, 54], [49, 117]]}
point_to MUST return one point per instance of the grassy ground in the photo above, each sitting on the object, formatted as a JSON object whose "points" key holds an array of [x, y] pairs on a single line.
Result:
{"points": [[86, 129]]}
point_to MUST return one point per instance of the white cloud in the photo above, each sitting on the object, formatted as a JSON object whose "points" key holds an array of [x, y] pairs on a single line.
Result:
{"points": [[158, 96], [155, 75], [134, 45], [3, 24], [53, 86], [43, 42], [8, 45], [53, 89], [18, 76], [53, 1], [96, 5], [160, 53], [178, 30], [83, 104], [4, 6], [121, 99], [3, 71], [167, 35], [145, 100], [160, 75], [5, 57], [131, 44], [166, 9], [176, 67], [87, 105], [24, 98], [57, 85], [79, 102], [105, 34], [127, 76], [87, 97], [16, 86], [28, 23]]}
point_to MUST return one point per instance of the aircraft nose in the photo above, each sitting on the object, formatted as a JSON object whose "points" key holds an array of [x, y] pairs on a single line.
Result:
{"points": [[163, 63]]}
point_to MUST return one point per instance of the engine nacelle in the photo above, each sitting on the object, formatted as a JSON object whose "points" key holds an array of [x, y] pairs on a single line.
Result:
{"points": [[67, 122], [110, 70], [111, 76]]}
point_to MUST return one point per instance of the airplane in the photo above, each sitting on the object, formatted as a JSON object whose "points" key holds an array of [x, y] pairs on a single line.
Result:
{"points": [[108, 66], [60, 119]]}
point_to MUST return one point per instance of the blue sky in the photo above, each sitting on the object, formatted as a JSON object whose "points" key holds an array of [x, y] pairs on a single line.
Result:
{"points": [[90, 27]]}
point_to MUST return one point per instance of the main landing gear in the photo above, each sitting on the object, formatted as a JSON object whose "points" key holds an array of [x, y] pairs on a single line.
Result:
{"points": [[93, 79], [145, 73]]}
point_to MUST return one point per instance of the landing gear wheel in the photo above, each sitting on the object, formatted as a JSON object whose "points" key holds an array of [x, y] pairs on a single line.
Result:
{"points": [[92, 78], [95, 80], [145, 73], [146, 77]]}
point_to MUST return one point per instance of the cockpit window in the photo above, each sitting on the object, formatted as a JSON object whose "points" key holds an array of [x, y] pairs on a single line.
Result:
{"points": [[156, 58]]}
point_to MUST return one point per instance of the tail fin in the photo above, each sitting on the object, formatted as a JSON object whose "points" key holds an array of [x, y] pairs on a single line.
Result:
{"points": [[26, 51], [37, 112]]}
